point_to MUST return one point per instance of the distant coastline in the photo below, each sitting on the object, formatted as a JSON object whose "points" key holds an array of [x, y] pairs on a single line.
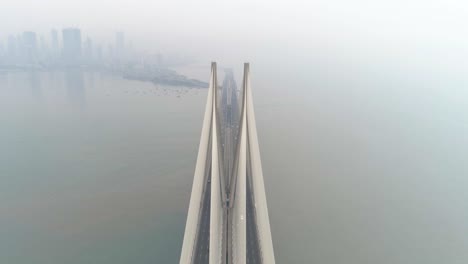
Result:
{"points": [[153, 74], [162, 76]]}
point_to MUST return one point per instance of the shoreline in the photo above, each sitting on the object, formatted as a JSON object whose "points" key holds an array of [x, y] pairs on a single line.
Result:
{"points": [[154, 75]]}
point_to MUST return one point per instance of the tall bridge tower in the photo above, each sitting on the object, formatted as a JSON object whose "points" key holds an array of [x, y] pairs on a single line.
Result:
{"points": [[227, 221]]}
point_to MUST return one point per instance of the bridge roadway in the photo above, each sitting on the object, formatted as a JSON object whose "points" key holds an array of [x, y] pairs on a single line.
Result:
{"points": [[229, 109], [201, 254], [253, 248]]}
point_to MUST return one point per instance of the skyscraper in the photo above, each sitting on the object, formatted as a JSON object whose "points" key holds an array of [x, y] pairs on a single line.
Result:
{"points": [[43, 48], [12, 46], [55, 43], [88, 49], [119, 45], [99, 53], [30, 46], [71, 45]]}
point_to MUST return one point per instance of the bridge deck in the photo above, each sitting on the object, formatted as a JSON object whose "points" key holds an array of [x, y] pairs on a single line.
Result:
{"points": [[201, 255]]}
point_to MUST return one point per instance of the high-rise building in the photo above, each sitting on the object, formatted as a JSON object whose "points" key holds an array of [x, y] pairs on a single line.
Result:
{"points": [[110, 51], [55, 42], [99, 53], [71, 45], [119, 45], [19, 45], [12, 46], [43, 45], [29, 42], [88, 49], [2, 49]]}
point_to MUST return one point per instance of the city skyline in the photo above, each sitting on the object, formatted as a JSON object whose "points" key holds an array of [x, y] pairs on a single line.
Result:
{"points": [[73, 46], [68, 44]]}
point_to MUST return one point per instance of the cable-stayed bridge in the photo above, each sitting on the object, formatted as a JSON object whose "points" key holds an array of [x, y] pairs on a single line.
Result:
{"points": [[227, 220]]}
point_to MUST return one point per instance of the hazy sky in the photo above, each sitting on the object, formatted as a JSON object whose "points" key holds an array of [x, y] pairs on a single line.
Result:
{"points": [[192, 25], [403, 16]]}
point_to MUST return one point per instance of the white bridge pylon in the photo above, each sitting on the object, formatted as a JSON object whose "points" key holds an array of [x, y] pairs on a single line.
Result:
{"points": [[228, 206], [258, 187]]}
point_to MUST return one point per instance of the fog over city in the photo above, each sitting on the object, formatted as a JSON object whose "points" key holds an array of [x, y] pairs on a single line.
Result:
{"points": [[360, 108], [209, 28]]}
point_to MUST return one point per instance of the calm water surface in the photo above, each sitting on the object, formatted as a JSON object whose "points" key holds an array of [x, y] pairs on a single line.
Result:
{"points": [[358, 169]]}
